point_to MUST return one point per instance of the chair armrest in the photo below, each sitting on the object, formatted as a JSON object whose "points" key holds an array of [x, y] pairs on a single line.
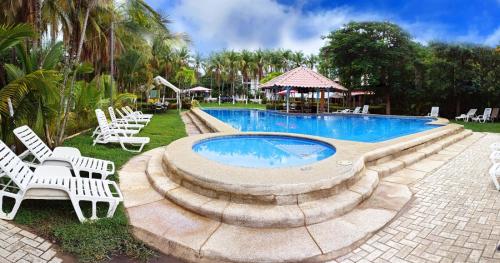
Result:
{"points": [[52, 171], [66, 151]]}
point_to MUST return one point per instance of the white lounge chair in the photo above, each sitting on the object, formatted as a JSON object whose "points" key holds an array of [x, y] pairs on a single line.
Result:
{"points": [[466, 117], [357, 110], [365, 109], [343, 111], [495, 157], [133, 118], [61, 156], [495, 146], [484, 117], [52, 183], [122, 123], [434, 112], [137, 113], [108, 135], [495, 174]]}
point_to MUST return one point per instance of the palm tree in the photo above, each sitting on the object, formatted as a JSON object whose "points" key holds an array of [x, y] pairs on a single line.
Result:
{"points": [[232, 65], [30, 89], [298, 59], [312, 61]]}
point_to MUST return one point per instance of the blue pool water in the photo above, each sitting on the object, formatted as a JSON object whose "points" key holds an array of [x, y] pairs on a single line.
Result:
{"points": [[263, 151], [360, 128]]}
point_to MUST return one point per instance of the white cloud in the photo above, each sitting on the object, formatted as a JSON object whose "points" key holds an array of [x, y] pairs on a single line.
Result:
{"points": [[252, 24], [494, 38]]}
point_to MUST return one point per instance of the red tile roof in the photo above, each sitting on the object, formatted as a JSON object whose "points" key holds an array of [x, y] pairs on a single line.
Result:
{"points": [[302, 77]]}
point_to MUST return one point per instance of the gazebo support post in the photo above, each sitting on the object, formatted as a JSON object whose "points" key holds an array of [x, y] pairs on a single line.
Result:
{"points": [[328, 100], [287, 99], [317, 101]]}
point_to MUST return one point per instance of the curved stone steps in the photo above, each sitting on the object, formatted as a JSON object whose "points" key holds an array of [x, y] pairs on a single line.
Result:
{"points": [[198, 123], [174, 230], [256, 215], [293, 215], [390, 166]]}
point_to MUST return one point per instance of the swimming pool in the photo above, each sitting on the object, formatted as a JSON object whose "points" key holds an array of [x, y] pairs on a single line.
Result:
{"points": [[263, 151], [360, 128]]}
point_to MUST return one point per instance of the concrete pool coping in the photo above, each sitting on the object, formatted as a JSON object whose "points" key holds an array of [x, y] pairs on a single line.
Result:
{"points": [[217, 125], [288, 184]]}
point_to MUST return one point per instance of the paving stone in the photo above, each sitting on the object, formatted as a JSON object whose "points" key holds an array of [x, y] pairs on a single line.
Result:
{"points": [[454, 215], [164, 218], [253, 244]]}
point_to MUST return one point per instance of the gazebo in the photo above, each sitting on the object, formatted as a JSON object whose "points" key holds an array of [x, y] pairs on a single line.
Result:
{"points": [[302, 79], [159, 80]]}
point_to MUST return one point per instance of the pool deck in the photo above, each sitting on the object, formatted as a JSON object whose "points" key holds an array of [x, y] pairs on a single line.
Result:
{"points": [[453, 215], [181, 218]]}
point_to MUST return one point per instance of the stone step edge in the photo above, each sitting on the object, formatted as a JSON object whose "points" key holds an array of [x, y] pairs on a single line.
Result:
{"points": [[390, 152], [181, 177], [253, 215], [198, 123], [360, 222], [394, 165], [289, 216]]}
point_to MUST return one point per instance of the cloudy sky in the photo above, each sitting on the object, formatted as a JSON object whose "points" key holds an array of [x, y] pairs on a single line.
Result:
{"points": [[299, 24]]}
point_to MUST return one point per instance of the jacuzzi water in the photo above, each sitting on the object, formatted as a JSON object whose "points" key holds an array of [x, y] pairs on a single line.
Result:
{"points": [[360, 128], [263, 151]]}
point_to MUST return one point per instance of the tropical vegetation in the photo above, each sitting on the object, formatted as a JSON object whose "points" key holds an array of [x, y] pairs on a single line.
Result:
{"points": [[409, 77]]}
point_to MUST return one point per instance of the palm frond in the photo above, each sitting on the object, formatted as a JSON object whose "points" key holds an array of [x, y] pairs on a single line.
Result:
{"points": [[13, 35]]}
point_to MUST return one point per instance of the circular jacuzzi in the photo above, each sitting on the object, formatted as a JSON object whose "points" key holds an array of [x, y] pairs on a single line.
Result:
{"points": [[263, 151]]}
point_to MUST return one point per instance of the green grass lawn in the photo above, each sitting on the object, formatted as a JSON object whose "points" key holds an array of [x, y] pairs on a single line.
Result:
{"points": [[97, 241], [480, 127], [230, 105]]}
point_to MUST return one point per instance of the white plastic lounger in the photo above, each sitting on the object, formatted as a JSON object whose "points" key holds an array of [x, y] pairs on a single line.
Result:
{"points": [[120, 126], [61, 156], [343, 111], [108, 135], [434, 112], [495, 146], [466, 117], [132, 118], [357, 110], [495, 174], [495, 157], [122, 123], [135, 114], [365, 109], [483, 118], [138, 112], [52, 183]]}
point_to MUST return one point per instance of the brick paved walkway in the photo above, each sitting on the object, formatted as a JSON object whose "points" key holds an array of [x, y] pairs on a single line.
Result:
{"points": [[454, 217], [17, 245]]}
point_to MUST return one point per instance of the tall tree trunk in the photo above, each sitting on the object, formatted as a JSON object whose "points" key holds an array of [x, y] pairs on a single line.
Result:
{"points": [[388, 104], [76, 61]]}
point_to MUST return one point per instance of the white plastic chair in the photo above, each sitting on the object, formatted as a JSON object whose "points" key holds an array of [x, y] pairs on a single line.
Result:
{"points": [[137, 113], [484, 117], [495, 174], [357, 110], [466, 117], [122, 123], [495, 146], [61, 156], [434, 112], [133, 118], [365, 109], [52, 183], [108, 135]]}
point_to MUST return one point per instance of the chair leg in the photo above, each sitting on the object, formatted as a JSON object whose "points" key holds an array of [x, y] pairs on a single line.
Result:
{"points": [[17, 203], [495, 180], [112, 208], [94, 211], [78, 209]]}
